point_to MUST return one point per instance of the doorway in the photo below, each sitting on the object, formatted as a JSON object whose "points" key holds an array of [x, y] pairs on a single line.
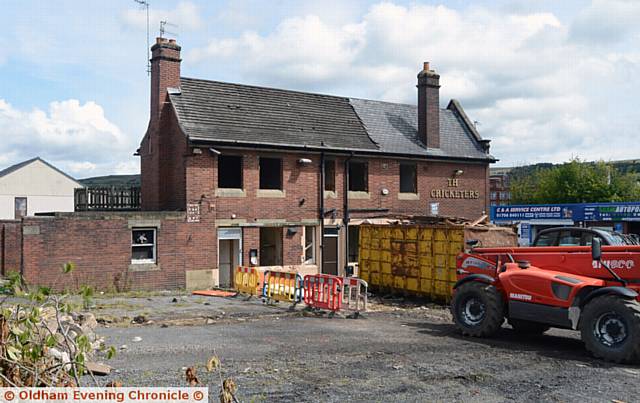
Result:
{"points": [[271, 246], [330, 251], [229, 255]]}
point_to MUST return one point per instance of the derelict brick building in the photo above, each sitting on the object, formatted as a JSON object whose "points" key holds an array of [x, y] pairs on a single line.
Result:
{"points": [[242, 175]]}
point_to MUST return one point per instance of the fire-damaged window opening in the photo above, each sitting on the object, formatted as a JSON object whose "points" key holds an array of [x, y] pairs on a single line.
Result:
{"points": [[309, 245], [271, 246], [270, 173], [408, 178], [143, 245], [358, 177], [330, 175], [354, 236], [230, 171]]}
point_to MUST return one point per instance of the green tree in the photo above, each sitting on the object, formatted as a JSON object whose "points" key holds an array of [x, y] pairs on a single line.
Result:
{"points": [[575, 182]]}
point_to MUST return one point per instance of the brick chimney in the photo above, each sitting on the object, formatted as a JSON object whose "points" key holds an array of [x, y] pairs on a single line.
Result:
{"points": [[165, 72], [429, 107]]}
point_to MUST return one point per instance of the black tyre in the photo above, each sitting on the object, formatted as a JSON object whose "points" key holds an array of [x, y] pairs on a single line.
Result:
{"points": [[610, 328], [528, 327], [478, 309]]}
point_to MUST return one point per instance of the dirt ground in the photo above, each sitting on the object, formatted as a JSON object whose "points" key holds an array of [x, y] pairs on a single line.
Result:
{"points": [[395, 353]]}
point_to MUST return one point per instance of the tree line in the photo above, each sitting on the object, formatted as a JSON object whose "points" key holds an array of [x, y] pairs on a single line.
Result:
{"points": [[575, 181]]}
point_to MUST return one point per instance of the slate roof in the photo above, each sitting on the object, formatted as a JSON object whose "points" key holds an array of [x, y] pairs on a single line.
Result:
{"points": [[395, 128], [22, 164], [217, 112], [211, 110]]}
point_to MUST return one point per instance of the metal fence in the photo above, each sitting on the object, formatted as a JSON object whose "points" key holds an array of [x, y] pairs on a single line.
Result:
{"points": [[107, 199]]}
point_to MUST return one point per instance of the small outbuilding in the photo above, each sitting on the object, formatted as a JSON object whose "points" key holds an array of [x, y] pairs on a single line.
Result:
{"points": [[35, 186]]}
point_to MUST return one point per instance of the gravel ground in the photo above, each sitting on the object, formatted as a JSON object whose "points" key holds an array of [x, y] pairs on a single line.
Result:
{"points": [[394, 354]]}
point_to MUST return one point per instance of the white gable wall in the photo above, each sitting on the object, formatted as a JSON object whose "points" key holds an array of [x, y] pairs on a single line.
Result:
{"points": [[45, 188]]}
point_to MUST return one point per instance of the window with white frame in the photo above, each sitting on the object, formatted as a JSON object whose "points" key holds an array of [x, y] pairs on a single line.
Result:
{"points": [[143, 245], [309, 245]]}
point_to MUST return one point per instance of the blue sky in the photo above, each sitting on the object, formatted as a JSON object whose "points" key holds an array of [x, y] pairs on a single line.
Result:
{"points": [[546, 80]]}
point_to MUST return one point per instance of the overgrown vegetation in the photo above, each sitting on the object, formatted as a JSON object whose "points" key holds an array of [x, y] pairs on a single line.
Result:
{"points": [[574, 182], [40, 344]]}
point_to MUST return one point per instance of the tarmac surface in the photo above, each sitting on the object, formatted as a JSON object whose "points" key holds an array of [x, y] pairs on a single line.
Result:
{"points": [[397, 353]]}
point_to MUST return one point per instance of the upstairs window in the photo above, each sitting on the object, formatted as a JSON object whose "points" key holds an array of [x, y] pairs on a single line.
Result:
{"points": [[358, 177], [408, 178], [143, 245], [230, 172], [330, 176], [270, 173]]}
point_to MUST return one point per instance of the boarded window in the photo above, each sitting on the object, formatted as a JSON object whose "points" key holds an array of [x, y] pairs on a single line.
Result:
{"points": [[143, 245], [270, 173], [330, 175], [20, 204], [408, 178], [309, 244], [230, 171], [358, 177]]}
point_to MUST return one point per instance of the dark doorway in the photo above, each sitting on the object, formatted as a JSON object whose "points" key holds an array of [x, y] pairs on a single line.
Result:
{"points": [[330, 252], [271, 246]]}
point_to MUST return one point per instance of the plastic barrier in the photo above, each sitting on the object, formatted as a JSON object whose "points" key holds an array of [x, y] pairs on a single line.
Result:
{"points": [[354, 294], [282, 286], [323, 291], [247, 280]]}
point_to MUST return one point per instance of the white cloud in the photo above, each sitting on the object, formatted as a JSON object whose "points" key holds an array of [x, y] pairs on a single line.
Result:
{"points": [[537, 91], [186, 16], [606, 21], [76, 137]]}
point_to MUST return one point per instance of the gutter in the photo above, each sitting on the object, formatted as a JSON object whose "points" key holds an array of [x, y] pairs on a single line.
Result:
{"points": [[202, 141]]}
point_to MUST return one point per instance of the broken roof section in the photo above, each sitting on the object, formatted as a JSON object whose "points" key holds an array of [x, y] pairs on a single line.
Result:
{"points": [[224, 113]]}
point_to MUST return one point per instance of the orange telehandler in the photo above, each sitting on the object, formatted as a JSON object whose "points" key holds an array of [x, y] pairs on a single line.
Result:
{"points": [[595, 290]]}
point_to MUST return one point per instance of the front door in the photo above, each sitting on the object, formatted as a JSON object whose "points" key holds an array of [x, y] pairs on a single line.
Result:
{"points": [[225, 265], [229, 255], [330, 252]]}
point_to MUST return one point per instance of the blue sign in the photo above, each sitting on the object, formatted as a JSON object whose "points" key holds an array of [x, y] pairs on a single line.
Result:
{"points": [[534, 212], [574, 212], [612, 212]]}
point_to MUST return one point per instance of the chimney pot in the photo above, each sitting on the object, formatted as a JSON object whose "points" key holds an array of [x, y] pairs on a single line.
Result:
{"points": [[426, 66]]}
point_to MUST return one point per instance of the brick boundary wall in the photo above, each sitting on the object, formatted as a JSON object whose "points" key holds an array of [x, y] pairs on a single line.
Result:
{"points": [[10, 246], [99, 245]]}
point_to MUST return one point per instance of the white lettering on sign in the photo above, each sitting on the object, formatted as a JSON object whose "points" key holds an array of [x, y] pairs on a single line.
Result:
{"points": [[615, 264], [522, 297]]}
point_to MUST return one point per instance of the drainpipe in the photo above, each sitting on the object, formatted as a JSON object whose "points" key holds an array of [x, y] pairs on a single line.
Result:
{"points": [[321, 192], [345, 214]]}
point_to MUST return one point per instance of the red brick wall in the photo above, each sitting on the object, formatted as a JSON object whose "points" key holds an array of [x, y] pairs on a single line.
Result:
{"points": [[10, 246], [99, 246], [163, 146], [301, 182]]}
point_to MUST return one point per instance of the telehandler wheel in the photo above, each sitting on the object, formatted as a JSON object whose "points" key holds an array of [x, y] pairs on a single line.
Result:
{"points": [[478, 309], [610, 328], [528, 327]]}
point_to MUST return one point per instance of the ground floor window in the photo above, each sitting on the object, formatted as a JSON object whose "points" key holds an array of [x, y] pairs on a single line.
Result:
{"points": [[309, 245], [270, 246], [354, 236], [143, 245], [20, 204]]}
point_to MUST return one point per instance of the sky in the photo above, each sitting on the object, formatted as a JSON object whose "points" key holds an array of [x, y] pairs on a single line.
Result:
{"points": [[546, 81]]}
